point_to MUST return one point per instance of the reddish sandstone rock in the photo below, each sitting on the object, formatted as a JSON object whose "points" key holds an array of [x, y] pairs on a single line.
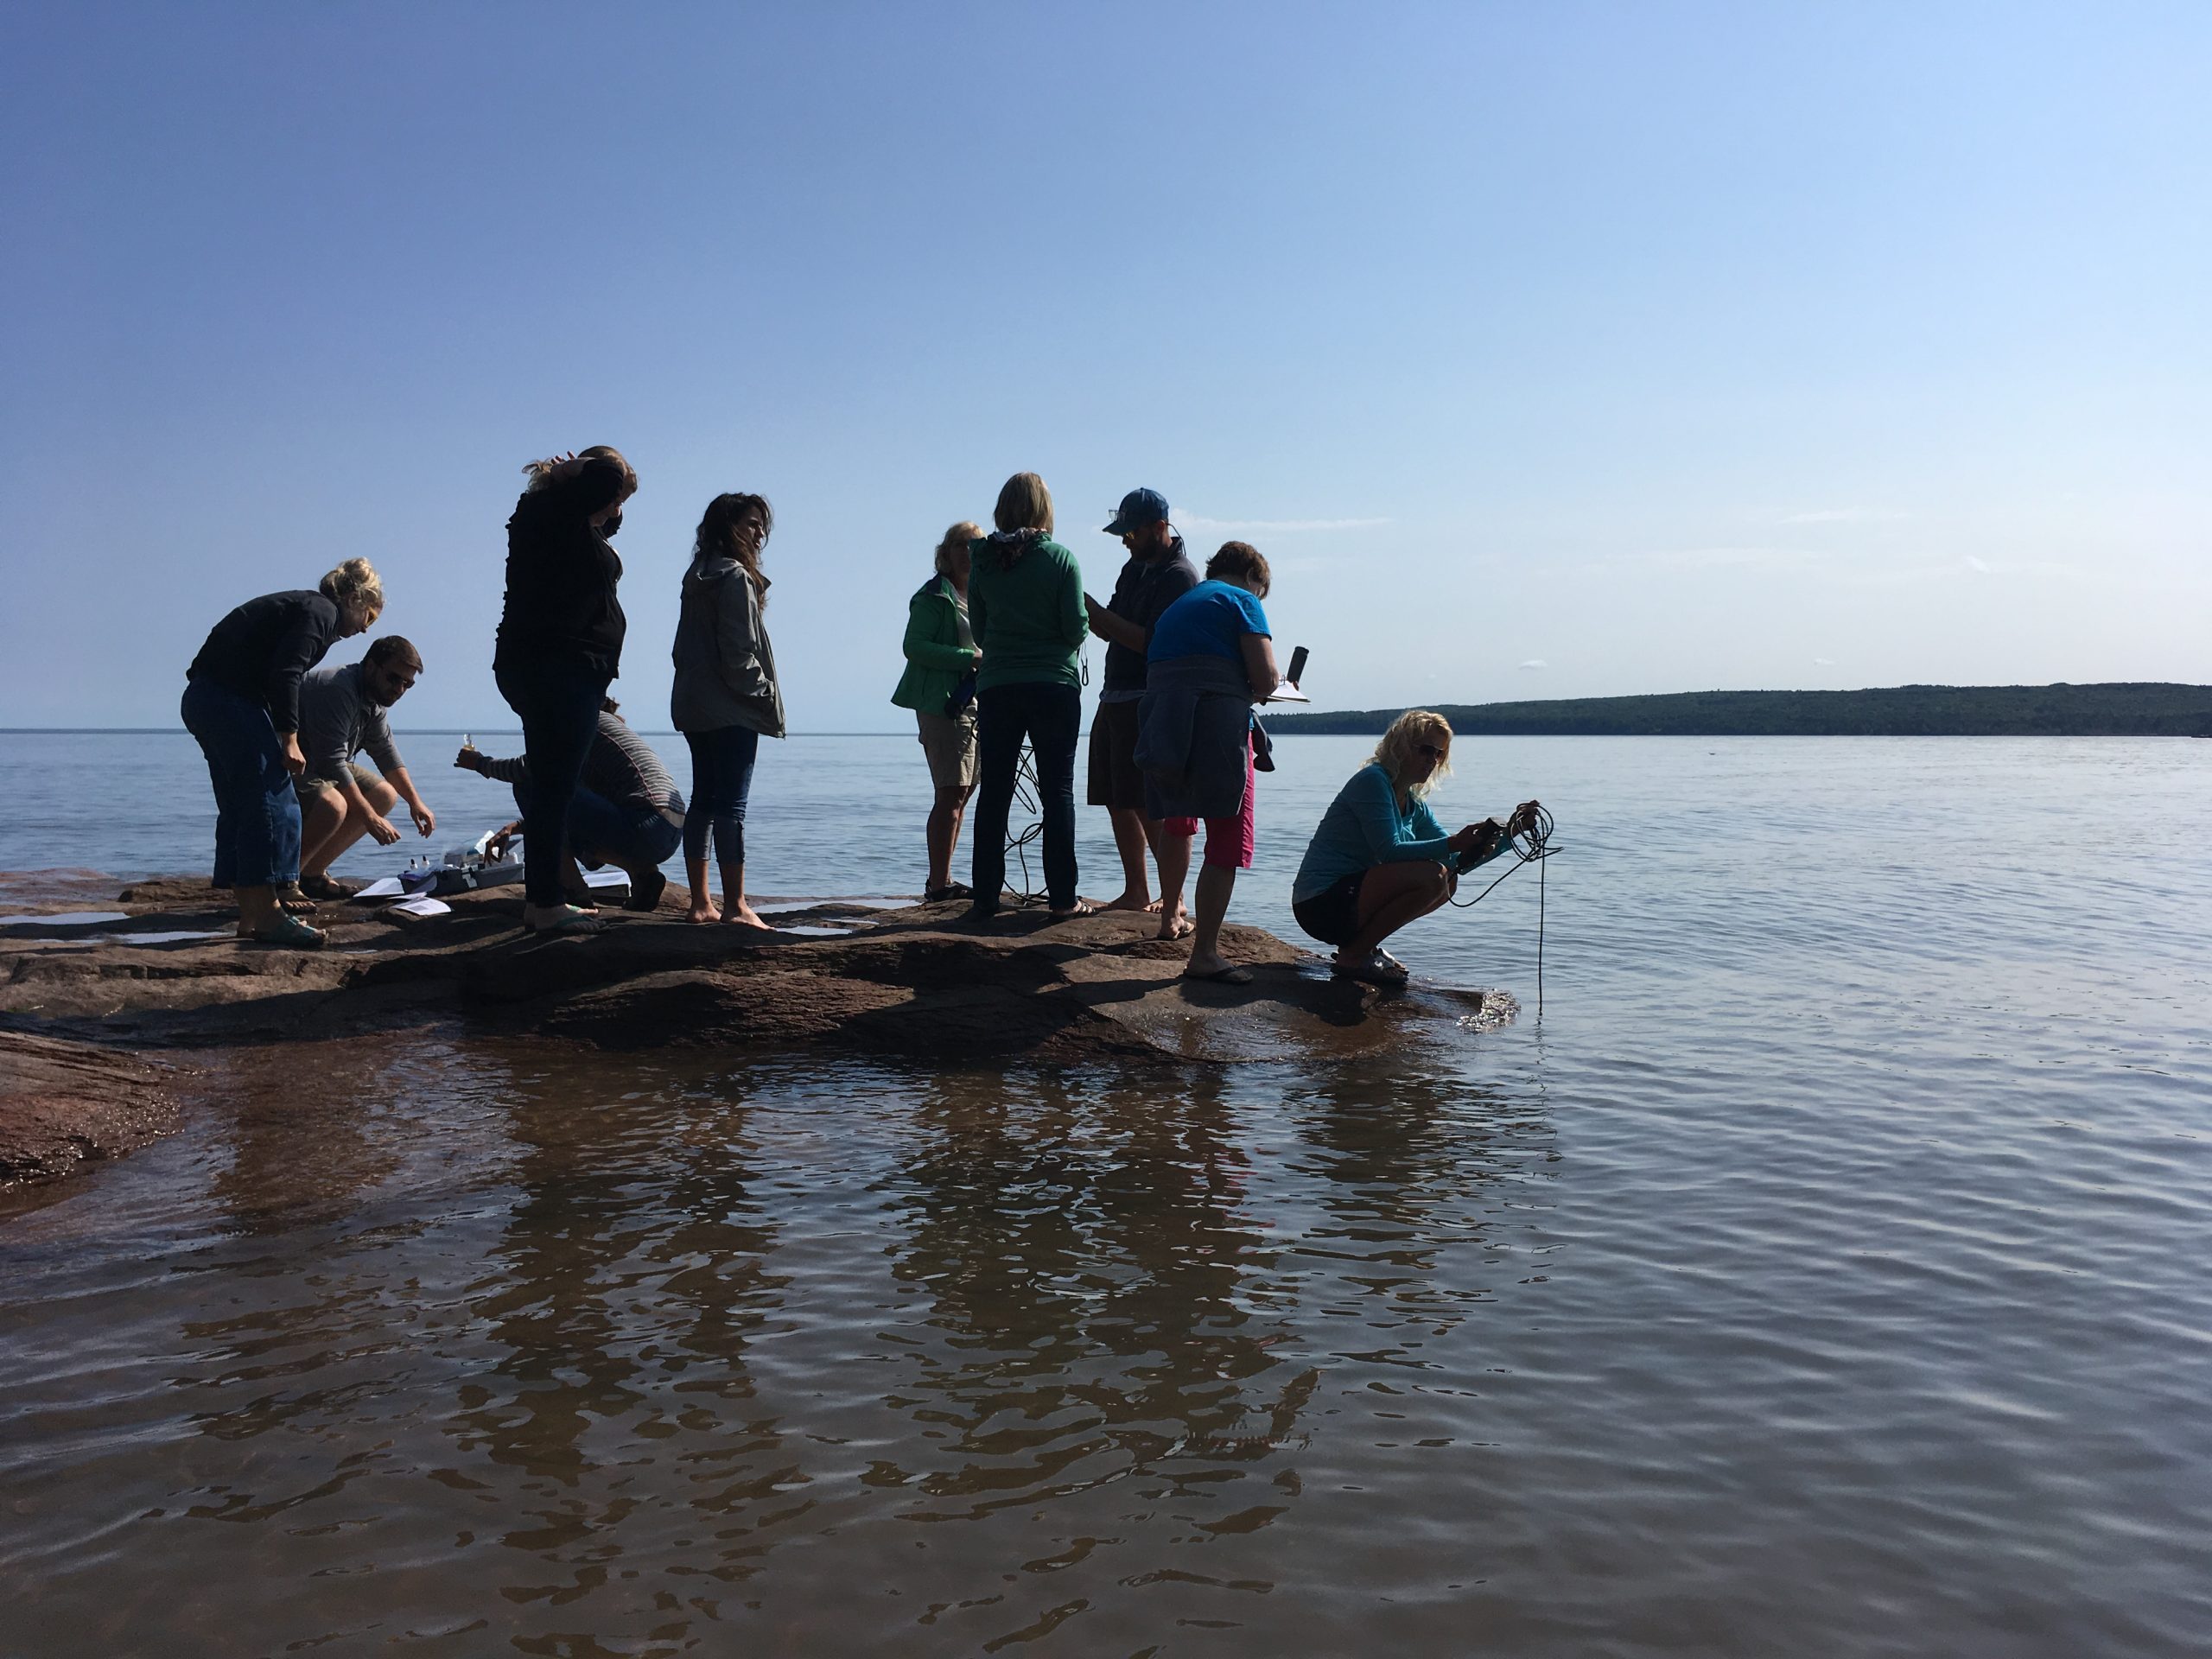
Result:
{"points": [[915, 982], [61, 1103]]}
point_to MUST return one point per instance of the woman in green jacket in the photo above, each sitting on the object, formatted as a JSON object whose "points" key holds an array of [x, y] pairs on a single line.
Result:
{"points": [[1024, 600], [939, 686]]}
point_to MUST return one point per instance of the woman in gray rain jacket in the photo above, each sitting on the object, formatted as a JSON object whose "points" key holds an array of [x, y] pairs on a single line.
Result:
{"points": [[725, 698]]}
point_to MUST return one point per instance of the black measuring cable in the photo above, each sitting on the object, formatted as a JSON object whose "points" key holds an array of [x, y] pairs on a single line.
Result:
{"points": [[1018, 842], [1028, 798], [1531, 844]]}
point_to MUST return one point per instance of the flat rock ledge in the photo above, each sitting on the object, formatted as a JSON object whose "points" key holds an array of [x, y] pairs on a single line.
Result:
{"points": [[159, 968]]}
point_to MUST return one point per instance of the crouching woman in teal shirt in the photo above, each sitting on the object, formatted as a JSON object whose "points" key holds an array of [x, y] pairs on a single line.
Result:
{"points": [[1380, 860]]}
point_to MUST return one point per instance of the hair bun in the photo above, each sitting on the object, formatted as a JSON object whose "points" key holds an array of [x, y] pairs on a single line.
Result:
{"points": [[355, 582]]}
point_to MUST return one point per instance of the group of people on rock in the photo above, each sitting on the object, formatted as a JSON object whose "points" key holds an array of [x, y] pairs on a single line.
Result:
{"points": [[993, 646], [993, 661]]}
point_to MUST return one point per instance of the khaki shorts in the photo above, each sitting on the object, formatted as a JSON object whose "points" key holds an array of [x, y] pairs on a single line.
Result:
{"points": [[949, 744], [304, 785]]}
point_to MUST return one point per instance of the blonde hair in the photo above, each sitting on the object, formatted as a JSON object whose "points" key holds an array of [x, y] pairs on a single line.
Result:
{"points": [[959, 537], [1395, 753], [1024, 503], [354, 583]]}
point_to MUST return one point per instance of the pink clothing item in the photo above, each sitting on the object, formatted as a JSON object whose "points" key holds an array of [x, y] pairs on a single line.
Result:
{"points": [[1229, 841]]}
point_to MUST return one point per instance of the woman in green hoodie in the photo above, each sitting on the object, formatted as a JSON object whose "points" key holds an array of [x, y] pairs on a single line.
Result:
{"points": [[939, 686], [1025, 607]]}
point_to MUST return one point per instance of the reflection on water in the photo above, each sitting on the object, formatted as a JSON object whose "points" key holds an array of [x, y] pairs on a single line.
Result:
{"points": [[466, 1348], [1082, 1253], [1823, 1274]]}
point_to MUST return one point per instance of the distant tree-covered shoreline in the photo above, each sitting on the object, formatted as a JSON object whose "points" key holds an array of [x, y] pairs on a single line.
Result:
{"points": [[2120, 710]]}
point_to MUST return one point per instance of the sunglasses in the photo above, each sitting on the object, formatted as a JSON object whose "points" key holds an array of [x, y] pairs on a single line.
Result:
{"points": [[1430, 750]]}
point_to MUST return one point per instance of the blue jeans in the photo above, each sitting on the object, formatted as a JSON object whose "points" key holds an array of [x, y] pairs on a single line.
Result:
{"points": [[601, 832], [1048, 715], [559, 706], [256, 814], [722, 783]]}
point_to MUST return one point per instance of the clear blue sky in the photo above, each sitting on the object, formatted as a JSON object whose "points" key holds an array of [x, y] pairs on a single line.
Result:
{"points": [[1548, 350]]}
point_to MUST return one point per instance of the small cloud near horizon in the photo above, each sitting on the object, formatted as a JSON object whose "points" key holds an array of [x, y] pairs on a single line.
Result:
{"points": [[1717, 558], [1275, 526], [1536, 662], [1843, 516]]}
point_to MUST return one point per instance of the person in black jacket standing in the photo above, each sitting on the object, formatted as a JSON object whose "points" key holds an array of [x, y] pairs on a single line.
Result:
{"points": [[560, 645], [241, 704]]}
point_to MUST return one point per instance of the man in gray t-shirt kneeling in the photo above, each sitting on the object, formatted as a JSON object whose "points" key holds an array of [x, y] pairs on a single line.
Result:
{"points": [[341, 715]]}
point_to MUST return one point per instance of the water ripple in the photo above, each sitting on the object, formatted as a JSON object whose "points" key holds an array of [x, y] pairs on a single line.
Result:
{"points": [[1823, 1273]]}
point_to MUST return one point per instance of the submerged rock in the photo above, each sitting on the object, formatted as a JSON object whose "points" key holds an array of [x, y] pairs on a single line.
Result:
{"points": [[163, 970]]}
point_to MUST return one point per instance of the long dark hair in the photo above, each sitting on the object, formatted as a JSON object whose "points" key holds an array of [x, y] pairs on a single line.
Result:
{"points": [[718, 536]]}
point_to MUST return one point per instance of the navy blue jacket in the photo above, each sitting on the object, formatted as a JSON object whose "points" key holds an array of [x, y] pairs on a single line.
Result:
{"points": [[261, 649]]}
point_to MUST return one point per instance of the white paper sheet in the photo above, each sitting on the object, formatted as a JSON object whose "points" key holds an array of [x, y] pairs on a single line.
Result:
{"points": [[384, 886], [609, 878], [421, 905]]}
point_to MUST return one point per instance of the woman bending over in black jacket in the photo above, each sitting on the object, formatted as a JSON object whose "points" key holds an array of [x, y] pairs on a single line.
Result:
{"points": [[242, 703]]}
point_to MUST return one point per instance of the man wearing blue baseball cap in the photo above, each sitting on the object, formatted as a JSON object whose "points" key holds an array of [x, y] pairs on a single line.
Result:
{"points": [[1158, 572]]}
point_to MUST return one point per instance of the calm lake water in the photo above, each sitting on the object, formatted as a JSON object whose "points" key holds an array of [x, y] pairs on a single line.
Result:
{"points": [[1824, 1273]]}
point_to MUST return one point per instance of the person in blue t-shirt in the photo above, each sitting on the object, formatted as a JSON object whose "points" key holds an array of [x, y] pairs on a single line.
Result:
{"points": [[1212, 657], [1212, 620]]}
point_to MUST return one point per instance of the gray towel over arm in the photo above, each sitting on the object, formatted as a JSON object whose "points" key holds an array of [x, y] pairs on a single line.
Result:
{"points": [[1194, 730]]}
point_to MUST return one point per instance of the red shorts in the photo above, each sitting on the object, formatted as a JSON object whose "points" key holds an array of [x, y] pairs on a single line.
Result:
{"points": [[1229, 840]]}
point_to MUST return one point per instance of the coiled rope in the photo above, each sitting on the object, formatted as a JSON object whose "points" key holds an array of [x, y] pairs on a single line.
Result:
{"points": [[1531, 844], [1018, 842], [1028, 800]]}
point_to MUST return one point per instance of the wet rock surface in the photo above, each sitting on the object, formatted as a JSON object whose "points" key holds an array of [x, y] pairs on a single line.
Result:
{"points": [[159, 968], [62, 1104]]}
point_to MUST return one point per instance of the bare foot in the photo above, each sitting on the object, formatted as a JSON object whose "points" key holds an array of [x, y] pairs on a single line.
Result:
{"points": [[1178, 927], [743, 915], [702, 910], [1135, 901]]}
